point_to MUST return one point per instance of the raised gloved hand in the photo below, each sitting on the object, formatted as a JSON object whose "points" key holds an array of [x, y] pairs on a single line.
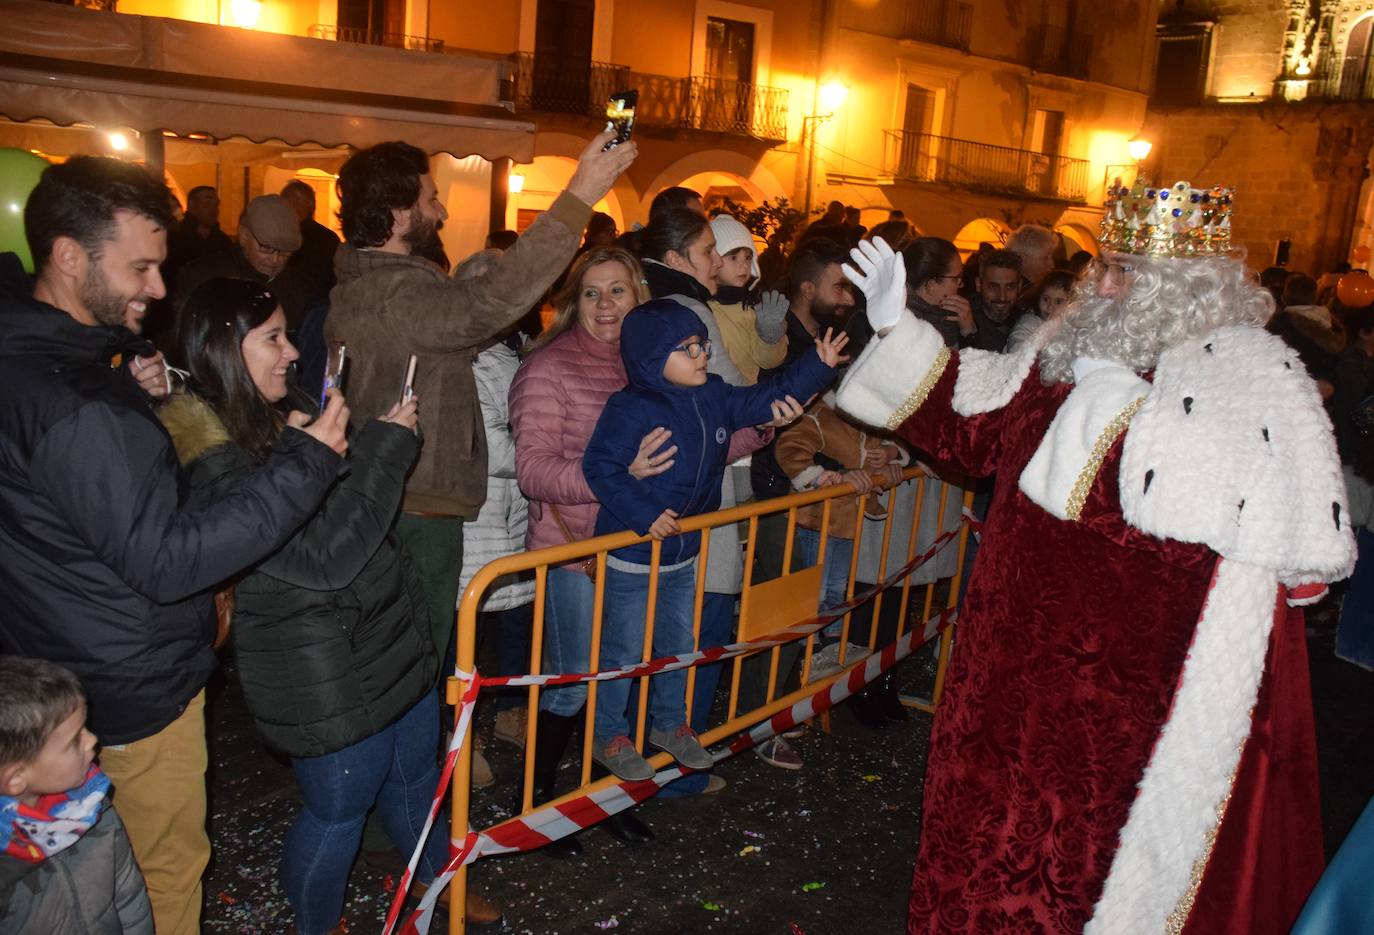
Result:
{"points": [[881, 276], [770, 317]]}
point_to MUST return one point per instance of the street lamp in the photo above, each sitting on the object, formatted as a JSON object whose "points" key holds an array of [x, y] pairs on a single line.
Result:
{"points": [[1139, 149], [830, 97]]}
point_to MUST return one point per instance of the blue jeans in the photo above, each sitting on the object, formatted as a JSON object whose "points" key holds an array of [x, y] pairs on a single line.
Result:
{"points": [[567, 637], [717, 628], [835, 579], [622, 643], [394, 768]]}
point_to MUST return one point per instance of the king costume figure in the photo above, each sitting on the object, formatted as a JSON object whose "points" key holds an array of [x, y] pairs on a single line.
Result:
{"points": [[1126, 742]]}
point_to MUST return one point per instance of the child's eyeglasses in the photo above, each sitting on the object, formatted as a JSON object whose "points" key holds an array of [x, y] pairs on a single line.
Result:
{"points": [[694, 349]]}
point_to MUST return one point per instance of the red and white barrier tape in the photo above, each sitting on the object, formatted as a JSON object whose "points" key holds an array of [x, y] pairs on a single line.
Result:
{"points": [[551, 823]]}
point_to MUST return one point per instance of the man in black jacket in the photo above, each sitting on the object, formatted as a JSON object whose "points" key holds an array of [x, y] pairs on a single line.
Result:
{"points": [[101, 570]]}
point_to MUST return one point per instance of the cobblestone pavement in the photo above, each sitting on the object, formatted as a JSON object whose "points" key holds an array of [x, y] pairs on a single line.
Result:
{"points": [[833, 843]]}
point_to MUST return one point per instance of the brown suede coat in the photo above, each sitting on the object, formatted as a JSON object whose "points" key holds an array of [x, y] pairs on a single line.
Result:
{"points": [[387, 306]]}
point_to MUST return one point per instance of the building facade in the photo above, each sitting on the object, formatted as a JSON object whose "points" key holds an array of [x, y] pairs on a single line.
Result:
{"points": [[1276, 98]]}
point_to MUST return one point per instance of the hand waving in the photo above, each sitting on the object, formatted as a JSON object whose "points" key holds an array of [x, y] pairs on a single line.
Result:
{"points": [[830, 346], [881, 275]]}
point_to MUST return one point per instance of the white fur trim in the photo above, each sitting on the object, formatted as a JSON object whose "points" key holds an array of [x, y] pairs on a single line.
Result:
{"points": [[1183, 792], [1101, 395], [889, 371], [807, 477], [988, 380], [1233, 449]]}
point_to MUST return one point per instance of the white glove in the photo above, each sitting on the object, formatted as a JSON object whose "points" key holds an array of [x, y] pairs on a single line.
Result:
{"points": [[881, 276]]}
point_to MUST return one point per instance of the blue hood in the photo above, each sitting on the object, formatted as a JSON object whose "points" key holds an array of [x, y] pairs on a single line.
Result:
{"points": [[649, 335]]}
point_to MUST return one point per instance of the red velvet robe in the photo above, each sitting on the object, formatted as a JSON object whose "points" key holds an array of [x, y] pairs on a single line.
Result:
{"points": [[1070, 645]]}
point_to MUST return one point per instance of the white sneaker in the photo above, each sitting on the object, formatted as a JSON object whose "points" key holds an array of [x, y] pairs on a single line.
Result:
{"points": [[826, 662]]}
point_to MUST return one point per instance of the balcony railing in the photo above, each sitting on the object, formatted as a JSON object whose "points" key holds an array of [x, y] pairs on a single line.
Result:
{"points": [[361, 36], [939, 22], [561, 85], [1061, 52], [982, 167]]}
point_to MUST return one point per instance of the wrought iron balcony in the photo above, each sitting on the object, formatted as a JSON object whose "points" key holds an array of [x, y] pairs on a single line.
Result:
{"points": [[939, 22], [555, 85], [1058, 51], [360, 36], [982, 167]]}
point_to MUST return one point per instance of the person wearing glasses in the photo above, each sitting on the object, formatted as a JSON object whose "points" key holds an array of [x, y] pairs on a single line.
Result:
{"points": [[666, 358], [269, 235], [933, 274]]}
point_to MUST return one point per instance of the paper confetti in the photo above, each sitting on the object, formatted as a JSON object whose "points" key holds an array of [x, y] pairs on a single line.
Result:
{"points": [[750, 849], [711, 907], [872, 777], [611, 923], [809, 887]]}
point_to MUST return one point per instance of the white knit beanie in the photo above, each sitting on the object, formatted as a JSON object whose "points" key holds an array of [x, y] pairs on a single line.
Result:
{"points": [[731, 235]]}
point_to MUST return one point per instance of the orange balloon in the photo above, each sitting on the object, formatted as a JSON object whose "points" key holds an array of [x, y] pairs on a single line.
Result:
{"points": [[1361, 253], [1355, 290]]}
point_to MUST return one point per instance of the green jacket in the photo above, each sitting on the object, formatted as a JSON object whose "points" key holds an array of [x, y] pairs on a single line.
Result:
{"points": [[330, 632]]}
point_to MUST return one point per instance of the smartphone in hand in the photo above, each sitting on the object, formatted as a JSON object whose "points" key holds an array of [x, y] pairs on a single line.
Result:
{"points": [[408, 387], [620, 116], [333, 370]]}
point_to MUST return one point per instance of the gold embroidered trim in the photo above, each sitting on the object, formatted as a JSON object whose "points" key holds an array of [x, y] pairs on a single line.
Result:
{"points": [[918, 396], [1179, 917], [1078, 495]]}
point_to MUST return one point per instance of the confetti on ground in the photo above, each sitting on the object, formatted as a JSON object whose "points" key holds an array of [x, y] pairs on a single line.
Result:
{"points": [[751, 849], [226, 898], [872, 777], [711, 907], [752, 834], [611, 923], [795, 929], [809, 887]]}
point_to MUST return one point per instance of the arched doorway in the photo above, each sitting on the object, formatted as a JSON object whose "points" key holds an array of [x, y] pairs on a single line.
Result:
{"points": [[535, 185], [1357, 65], [981, 230], [717, 174], [1075, 237]]}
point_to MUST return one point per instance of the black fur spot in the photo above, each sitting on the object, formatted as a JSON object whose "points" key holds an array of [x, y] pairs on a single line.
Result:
{"points": [[1187, 404], [1336, 513], [1287, 365], [1207, 348], [1149, 479], [1240, 506], [1265, 432]]}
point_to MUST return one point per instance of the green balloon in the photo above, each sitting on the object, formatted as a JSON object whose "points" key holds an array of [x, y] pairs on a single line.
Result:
{"points": [[19, 172]]}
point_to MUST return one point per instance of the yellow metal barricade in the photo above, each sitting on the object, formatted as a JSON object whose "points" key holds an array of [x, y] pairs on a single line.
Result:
{"points": [[765, 608]]}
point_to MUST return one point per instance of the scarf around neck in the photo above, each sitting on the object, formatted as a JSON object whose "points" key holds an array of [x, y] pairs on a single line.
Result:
{"points": [[35, 833]]}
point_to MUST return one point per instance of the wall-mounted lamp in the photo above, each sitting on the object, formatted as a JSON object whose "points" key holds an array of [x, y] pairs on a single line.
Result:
{"points": [[516, 184], [1139, 149], [833, 95], [242, 13], [118, 141]]}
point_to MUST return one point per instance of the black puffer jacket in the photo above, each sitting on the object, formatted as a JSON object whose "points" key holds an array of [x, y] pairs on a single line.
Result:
{"points": [[103, 568], [331, 631]]}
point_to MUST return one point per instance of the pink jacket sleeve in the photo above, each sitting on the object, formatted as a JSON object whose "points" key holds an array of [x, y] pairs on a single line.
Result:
{"points": [[539, 418]]}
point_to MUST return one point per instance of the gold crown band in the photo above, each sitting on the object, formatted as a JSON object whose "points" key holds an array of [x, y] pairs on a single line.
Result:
{"points": [[1181, 221]]}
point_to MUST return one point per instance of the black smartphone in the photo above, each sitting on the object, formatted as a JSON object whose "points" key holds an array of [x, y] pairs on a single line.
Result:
{"points": [[620, 116]]}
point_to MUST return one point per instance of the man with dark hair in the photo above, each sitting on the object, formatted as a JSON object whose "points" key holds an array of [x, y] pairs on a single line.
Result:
{"points": [[676, 197], [314, 261], [391, 303], [197, 234], [994, 301], [102, 571]]}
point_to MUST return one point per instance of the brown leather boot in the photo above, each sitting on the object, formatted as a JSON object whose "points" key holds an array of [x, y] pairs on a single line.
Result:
{"points": [[481, 913]]}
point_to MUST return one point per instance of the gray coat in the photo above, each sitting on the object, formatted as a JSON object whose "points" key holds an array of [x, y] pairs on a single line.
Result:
{"points": [[91, 888]]}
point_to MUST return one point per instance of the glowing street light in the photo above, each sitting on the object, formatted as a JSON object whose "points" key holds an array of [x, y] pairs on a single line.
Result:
{"points": [[833, 95], [1139, 149], [118, 141], [242, 13], [516, 184]]}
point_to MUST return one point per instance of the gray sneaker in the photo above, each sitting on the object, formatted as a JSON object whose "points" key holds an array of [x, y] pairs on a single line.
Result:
{"points": [[620, 757], [682, 744]]}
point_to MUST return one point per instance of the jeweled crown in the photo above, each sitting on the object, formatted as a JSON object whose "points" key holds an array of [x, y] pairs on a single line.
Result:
{"points": [[1181, 221]]}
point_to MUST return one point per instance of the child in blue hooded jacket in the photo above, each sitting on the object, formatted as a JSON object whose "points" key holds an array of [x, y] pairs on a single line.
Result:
{"points": [[665, 353]]}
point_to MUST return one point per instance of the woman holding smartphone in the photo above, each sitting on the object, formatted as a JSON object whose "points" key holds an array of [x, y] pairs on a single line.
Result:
{"points": [[330, 633]]}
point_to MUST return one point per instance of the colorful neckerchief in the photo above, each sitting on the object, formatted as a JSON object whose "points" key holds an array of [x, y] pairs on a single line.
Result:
{"points": [[55, 822]]}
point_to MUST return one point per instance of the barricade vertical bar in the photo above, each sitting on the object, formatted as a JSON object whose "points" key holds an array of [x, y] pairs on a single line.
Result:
{"points": [[593, 663], [541, 585], [912, 535], [946, 638], [882, 572], [650, 610], [775, 654], [698, 600], [820, 559], [749, 548], [456, 688], [848, 619]]}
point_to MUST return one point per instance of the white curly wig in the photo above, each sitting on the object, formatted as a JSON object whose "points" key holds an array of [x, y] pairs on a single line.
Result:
{"points": [[1169, 301]]}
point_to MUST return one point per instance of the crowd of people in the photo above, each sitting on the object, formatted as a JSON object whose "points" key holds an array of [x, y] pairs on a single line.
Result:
{"points": [[156, 499]]}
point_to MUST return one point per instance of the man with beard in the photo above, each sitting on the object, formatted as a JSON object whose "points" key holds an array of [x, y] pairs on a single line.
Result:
{"points": [[1126, 741], [101, 571], [993, 305]]}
